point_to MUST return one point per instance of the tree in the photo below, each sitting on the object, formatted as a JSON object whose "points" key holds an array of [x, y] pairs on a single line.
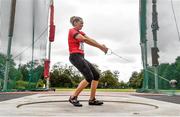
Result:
{"points": [[61, 76], [3, 64], [108, 80], [135, 80], [24, 71], [69, 76], [123, 85], [27, 70], [13, 74]]}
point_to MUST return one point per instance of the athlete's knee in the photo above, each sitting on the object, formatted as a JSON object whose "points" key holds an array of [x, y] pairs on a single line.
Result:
{"points": [[96, 76], [88, 76], [88, 80]]}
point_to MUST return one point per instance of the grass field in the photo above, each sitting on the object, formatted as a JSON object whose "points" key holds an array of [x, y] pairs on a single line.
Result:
{"points": [[100, 90], [113, 90]]}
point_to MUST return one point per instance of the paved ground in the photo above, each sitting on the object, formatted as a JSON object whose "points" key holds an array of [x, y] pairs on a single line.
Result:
{"points": [[173, 99], [115, 104], [8, 96]]}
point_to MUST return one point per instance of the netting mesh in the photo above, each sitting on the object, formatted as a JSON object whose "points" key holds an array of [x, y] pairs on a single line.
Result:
{"points": [[29, 41], [168, 42]]}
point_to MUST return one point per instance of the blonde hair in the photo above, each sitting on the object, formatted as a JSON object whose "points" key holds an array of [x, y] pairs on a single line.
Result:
{"points": [[75, 19]]}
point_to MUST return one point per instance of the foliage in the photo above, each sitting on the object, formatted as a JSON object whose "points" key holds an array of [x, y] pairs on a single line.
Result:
{"points": [[40, 83], [69, 76], [23, 85], [166, 72], [19, 76], [109, 79], [135, 80], [24, 77]]}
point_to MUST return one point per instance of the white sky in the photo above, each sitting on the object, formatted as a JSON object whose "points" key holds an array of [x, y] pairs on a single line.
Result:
{"points": [[114, 23]]}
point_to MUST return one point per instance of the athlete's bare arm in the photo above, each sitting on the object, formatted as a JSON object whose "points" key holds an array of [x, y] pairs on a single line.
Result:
{"points": [[92, 42]]}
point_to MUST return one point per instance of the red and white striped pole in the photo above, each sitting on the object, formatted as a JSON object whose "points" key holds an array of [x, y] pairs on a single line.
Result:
{"points": [[51, 39]]}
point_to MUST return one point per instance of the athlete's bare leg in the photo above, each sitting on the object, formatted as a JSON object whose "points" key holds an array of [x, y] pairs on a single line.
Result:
{"points": [[94, 85], [80, 87]]}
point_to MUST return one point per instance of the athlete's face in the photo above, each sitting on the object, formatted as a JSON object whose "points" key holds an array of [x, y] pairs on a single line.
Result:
{"points": [[79, 24]]}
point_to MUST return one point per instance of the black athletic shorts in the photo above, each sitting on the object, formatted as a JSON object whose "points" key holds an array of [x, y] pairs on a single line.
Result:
{"points": [[85, 67]]}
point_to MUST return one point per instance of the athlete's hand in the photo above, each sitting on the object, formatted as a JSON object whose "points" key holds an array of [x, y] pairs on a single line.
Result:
{"points": [[104, 48]]}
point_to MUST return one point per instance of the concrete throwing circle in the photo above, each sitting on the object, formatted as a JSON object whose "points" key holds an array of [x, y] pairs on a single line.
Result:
{"points": [[64, 106]]}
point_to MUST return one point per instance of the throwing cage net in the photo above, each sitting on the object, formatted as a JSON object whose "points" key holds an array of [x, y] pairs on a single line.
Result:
{"points": [[160, 44], [23, 43]]}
